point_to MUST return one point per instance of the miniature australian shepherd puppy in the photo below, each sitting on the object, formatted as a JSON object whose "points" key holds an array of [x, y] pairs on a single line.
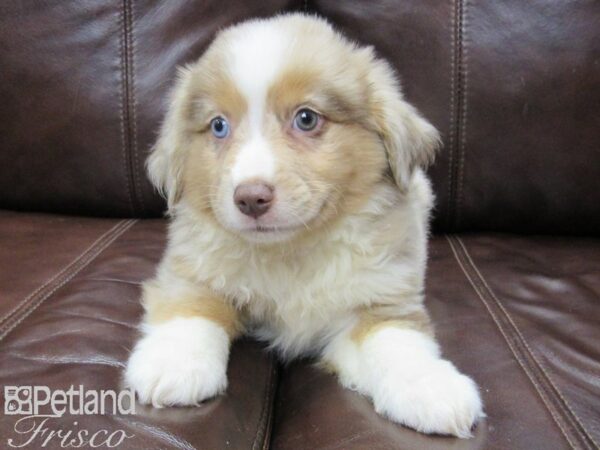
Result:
{"points": [[299, 212]]}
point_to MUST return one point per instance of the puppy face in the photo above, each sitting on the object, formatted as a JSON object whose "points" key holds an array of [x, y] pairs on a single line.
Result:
{"points": [[282, 126]]}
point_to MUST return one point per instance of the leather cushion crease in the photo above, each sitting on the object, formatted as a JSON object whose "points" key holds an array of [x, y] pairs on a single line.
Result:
{"points": [[513, 282]]}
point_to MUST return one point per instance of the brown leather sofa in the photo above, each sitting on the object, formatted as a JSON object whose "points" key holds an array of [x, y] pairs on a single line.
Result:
{"points": [[514, 275]]}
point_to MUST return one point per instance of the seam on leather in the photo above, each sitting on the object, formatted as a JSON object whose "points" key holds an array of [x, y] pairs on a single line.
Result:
{"points": [[274, 390], [19, 305], [123, 113], [566, 407], [508, 341], [137, 186], [87, 257], [262, 438], [461, 145], [457, 110], [452, 117], [512, 341]]}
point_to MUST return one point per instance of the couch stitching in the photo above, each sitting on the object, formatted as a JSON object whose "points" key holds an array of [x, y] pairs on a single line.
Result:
{"points": [[81, 264], [260, 427], [273, 387], [458, 111], [515, 353], [58, 274], [133, 105], [77, 266], [452, 118], [526, 344], [266, 410], [461, 146], [122, 110]]}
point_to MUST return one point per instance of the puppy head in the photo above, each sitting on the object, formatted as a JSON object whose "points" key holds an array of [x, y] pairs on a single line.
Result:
{"points": [[284, 125]]}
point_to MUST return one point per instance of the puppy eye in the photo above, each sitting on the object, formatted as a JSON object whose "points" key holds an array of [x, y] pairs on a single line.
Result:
{"points": [[219, 127], [306, 119]]}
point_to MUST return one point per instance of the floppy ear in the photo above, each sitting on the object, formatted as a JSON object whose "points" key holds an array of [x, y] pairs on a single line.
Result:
{"points": [[165, 163], [410, 141]]}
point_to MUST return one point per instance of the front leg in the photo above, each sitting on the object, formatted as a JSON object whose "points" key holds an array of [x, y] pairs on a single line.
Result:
{"points": [[181, 358], [398, 365]]}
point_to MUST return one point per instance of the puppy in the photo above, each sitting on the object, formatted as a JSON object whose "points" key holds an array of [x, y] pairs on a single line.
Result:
{"points": [[299, 211]]}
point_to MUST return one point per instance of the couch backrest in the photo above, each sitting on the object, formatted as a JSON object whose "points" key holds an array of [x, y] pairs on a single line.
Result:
{"points": [[513, 86]]}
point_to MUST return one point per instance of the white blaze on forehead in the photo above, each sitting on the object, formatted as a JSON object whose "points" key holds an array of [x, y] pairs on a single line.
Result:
{"points": [[254, 160], [257, 54]]}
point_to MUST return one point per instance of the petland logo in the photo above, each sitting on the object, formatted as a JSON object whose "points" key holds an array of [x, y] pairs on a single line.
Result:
{"points": [[40, 407]]}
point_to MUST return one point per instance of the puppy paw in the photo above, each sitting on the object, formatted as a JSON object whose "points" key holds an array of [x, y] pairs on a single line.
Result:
{"points": [[438, 399], [180, 362]]}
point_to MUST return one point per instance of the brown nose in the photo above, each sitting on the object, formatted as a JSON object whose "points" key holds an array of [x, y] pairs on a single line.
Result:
{"points": [[253, 199]]}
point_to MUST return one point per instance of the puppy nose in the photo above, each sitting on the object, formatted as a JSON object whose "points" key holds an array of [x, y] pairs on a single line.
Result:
{"points": [[253, 199]]}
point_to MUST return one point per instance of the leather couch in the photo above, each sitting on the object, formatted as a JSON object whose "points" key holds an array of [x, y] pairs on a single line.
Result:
{"points": [[514, 275]]}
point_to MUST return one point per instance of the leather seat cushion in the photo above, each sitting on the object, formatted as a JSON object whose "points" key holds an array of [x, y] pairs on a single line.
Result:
{"points": [[69, 291], [518, 314]]}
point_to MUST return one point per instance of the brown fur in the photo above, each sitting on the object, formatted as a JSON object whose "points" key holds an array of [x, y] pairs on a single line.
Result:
{"points": [[160, 307], [370, 322]]}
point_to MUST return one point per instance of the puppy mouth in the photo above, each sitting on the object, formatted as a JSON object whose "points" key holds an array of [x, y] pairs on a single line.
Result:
{"points": [[273, 227], [263, 229], [268, 234]]}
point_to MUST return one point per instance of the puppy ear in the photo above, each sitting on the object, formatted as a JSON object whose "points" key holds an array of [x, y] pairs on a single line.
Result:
{"points": [[160, 169], [165, 163], [410, 141]]}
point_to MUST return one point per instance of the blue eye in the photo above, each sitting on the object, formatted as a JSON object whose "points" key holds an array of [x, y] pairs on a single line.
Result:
{"points": [[219, 127], [306, 119]]}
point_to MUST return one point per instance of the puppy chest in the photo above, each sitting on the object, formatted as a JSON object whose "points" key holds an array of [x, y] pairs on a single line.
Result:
{"points": [[290, 297]]}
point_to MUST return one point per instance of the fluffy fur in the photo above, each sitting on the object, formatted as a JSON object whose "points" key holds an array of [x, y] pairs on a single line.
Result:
{"points": [[336, 266]]}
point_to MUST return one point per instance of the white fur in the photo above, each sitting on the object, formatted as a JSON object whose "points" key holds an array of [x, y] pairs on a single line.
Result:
{"points": [[257, 53], [255, 160], [180, 362], [401, 370]]}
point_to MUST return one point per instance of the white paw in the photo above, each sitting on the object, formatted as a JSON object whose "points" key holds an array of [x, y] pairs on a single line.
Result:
{"points": [[180, 362], [439, 399], [401, 370]]}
